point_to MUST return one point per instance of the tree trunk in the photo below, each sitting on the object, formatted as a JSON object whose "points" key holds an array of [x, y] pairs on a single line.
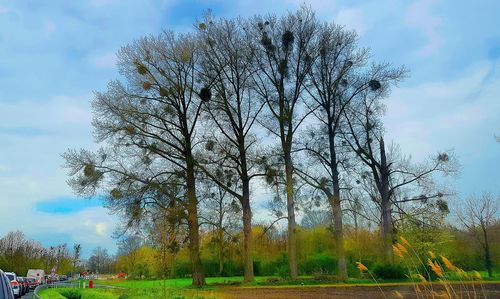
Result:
{"points": [[337, 209], [247, 232], [246, 210], [292, 230], [385, 205], [194, 235], [221, 251], [487, 255], [387, 228], [338, 236]]}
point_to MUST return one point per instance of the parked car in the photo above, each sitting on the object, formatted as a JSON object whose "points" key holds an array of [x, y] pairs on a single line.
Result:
{"points": [[26, 284], [16, 289], [5, 288], [33, 283], [23, 284]]}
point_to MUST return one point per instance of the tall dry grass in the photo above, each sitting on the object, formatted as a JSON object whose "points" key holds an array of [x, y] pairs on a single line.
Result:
{"points": [[439, 266]]}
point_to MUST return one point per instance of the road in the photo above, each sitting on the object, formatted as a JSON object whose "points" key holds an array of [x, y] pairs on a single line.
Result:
{"points": [[28, 295]]}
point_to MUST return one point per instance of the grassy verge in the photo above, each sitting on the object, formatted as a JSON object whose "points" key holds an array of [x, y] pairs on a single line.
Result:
{"points": [[74, 293], [260, 281]]}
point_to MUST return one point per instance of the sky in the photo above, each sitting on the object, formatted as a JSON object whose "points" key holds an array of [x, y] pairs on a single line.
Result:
{"points": [[55, 54]]}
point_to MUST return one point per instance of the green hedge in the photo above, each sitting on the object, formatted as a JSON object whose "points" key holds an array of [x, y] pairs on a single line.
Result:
{"points": [[390, 271]]}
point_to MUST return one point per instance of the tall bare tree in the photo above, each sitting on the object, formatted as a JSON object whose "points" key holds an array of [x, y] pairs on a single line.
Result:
{"points": [[478, 215], [392, 175], [227, 66], [283, 48], [340, 73], [149, 126]]}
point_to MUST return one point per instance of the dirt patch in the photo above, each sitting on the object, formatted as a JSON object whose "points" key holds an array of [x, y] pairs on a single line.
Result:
{"points": [[491, 290]]}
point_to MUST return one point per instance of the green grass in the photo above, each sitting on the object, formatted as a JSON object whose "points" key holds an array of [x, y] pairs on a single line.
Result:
{"points": [[181, 288], [175, 282], [63, 293], [216, 282], [151, 293]]}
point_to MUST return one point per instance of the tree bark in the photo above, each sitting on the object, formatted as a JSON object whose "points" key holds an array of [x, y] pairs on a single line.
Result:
{"points": [[487, 255], [194, 235], [292, 229], [221, 251], [385, 204], [337, 209], [247, 233], [246, 210]]}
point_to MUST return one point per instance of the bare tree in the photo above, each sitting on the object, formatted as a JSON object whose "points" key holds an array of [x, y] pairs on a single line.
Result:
{"points": [[149, 125], [128, 247], [227, 66], [77, 252], [220, 214], [283, 48], [339, 75], [478, 215], [392, 174], [100, 261]]}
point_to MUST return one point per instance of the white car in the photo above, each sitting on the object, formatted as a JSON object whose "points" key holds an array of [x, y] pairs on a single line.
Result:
{"points": [[16, 288], [5, 288]]}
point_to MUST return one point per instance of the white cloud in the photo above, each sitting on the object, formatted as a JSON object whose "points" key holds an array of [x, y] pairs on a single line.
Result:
{"points": [[32, 158], [432, 116], [420, 16], [100, 229]]}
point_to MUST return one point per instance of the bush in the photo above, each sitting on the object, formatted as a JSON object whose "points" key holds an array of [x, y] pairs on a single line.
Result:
{"points": [[257, 267], [389, 271], [182, 268], [71, 293], [281, 266], [320, 263]]}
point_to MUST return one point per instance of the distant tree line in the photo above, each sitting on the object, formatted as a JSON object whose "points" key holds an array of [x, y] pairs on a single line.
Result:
{"points": [[18, 254], [200, 121]]}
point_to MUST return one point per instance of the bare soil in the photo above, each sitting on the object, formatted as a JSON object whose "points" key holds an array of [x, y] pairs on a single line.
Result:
{"points": [[487, 290]]}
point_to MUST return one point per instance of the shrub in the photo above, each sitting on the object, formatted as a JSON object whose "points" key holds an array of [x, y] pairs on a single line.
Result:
{"points": [[257, 267], [389, 271], [281, 266], [71, 293], [320, 263]]}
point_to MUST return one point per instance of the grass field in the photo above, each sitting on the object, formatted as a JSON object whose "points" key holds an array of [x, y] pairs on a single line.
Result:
{"points": [[64, 293], [263, 287]]}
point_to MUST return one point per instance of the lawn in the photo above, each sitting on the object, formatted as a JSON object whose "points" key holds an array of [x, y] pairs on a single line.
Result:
{"points": [[64, 293], [232, 287]]}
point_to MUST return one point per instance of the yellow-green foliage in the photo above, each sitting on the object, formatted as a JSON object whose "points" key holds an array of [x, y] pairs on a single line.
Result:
{"points": [[140, 263], [316, 248]]}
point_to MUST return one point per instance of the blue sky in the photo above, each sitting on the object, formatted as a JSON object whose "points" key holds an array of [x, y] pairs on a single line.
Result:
{"points": [[54, 54]]}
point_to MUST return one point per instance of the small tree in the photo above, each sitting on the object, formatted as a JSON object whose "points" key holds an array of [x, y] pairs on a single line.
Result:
{"points": [[478, 215], [77, 250]]}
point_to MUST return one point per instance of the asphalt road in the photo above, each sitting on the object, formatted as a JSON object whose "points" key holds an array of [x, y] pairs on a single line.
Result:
{"points": [[28, 295]]}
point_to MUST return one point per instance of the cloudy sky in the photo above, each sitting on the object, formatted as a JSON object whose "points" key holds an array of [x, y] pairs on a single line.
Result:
{"points": [[54, 54]]}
